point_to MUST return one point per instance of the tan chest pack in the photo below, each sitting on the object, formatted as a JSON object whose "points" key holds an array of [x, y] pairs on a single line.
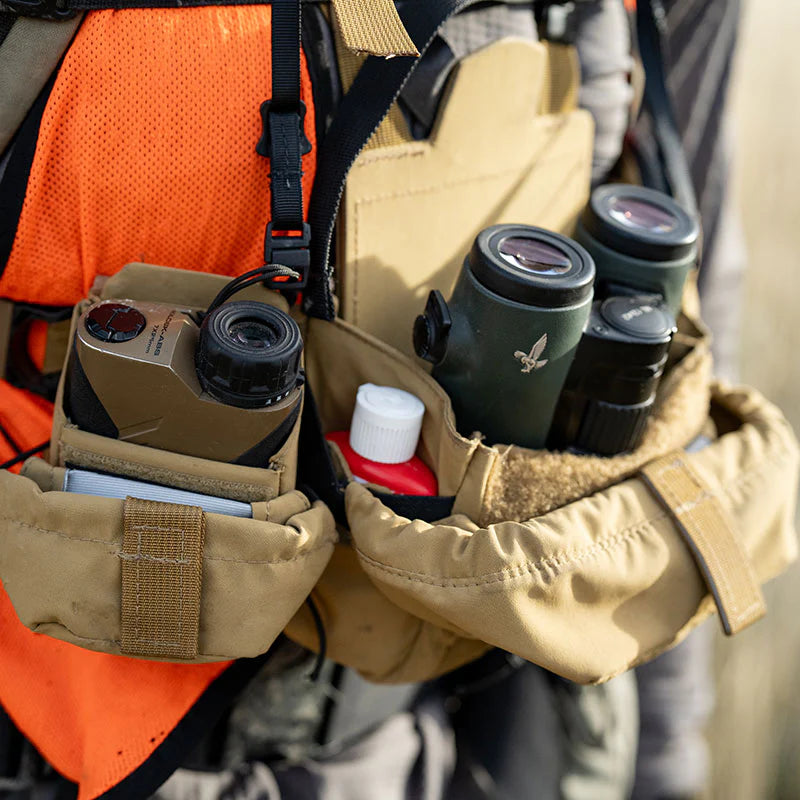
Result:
{"points": [[584, 565]]}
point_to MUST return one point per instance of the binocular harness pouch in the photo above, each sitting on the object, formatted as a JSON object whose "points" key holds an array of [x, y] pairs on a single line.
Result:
{"points": [[584, 565], [622, 562]]}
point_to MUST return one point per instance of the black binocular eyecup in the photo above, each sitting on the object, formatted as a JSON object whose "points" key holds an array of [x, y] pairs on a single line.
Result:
{"points": [[640, 222]]}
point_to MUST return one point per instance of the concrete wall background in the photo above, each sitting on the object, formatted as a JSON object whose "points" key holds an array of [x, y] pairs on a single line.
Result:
{"points": [[755, 732]]}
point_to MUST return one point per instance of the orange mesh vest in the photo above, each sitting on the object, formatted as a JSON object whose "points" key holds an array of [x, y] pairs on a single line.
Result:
{"points": [[145, 152]]}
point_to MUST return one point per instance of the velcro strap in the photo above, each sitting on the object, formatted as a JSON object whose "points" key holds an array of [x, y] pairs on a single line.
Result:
{"points": [[162, 572], [710, 532], [374, 27]]}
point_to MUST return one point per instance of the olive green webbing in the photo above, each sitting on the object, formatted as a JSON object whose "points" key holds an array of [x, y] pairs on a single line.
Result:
{"points": [[28, 56], [710, 532], [162, 572]]}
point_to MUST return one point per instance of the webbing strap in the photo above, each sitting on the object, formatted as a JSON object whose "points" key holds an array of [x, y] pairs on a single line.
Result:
{"points": [[29, 53], [162, 573], [285, 55], [368, 26], [373, 26], [651, 32], [374, 89], [710, 532]]}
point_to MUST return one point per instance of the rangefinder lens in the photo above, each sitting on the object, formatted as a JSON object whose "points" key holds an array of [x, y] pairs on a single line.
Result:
{"points": [[533, 255], [640, 215], [248, 354], [253, 333]]}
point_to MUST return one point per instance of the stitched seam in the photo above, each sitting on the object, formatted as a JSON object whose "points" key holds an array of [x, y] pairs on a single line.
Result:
{"points": [[563, 559], [367, 160], [151, 559], [552, 120], [533, 165], [548, 569], [118, 643], [121, 554]]}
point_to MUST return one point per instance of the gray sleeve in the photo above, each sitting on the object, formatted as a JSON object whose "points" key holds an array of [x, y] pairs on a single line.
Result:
{"points": [[604, 49]]}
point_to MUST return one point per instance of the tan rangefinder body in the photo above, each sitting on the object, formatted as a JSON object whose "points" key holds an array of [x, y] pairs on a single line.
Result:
{"points": [[146, 390]]}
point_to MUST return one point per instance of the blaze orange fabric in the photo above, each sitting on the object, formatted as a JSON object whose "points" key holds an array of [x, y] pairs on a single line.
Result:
{"points": [[94, 717], [146, 151], [26, 419], [37, 342]]}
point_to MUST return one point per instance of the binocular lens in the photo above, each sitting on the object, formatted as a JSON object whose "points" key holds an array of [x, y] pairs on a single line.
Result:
{"points": [[641, 215], [533, 255], [253, 333]]}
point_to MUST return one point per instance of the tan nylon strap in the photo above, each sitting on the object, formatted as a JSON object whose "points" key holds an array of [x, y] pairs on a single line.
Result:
{"points": [[393, 129], [562, 79], [374, 27], [710, 532], [162, 572]]}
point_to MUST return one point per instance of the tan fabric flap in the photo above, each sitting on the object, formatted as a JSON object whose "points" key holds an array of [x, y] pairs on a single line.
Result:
{"points": [[602, 584], [364, 629], [162, 560], [711, 534], [102, 454], [505, 163], [340, 357], [62, 556], [374, 27], [73, 446]]}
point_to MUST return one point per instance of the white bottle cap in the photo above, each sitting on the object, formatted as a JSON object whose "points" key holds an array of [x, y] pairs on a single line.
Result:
{"points": [[386, 424]]}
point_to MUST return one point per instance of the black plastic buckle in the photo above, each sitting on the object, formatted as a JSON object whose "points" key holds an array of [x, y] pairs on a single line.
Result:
{"points": [[290, 251], [41, 9], [264, 146]]}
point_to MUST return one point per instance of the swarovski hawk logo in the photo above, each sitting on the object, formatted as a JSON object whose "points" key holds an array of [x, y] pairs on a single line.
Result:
{"points": [[529, 360]]}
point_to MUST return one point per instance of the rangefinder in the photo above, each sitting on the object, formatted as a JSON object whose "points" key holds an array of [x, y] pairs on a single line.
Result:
{"points": [[225, 386]]}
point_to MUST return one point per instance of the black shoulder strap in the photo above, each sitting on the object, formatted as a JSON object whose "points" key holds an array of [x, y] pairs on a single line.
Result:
{"points": [[285, 143], [375, 88], [651, 32]]}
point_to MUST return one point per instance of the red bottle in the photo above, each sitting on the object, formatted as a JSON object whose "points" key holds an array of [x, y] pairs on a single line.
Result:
{"points": [[379, 448]]}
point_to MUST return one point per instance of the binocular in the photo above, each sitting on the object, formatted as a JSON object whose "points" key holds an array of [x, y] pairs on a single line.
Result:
{"points": [[549, 341]]}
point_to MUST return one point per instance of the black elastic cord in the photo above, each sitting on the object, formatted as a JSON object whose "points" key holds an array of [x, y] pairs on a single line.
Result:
{"points": [[321, 635], [27, 454], [258, 275]]}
